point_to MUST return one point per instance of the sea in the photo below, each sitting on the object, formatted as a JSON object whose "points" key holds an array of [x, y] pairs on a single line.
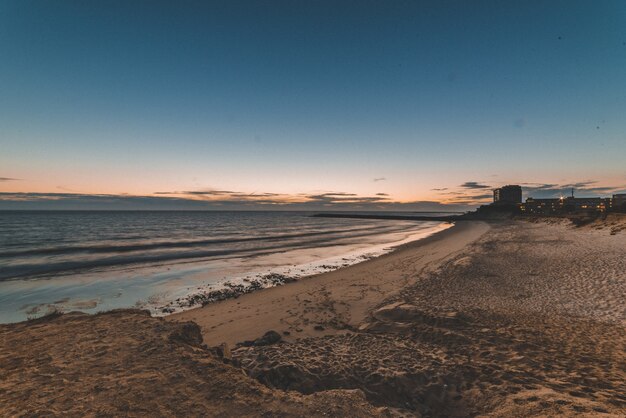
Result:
{"points": [[92, 261]]}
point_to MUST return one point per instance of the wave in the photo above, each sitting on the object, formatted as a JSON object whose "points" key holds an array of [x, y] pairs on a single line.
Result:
{"points": [[49, 268], [94, 249]]}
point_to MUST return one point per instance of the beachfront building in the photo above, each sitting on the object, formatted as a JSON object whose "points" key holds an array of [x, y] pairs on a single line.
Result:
{"points": [[542, 206], [589, 204], [566, 205], [510, 194], [618, 203]]}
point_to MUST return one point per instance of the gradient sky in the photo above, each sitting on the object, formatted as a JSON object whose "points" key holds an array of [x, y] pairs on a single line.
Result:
{"points": [[310, 101]]}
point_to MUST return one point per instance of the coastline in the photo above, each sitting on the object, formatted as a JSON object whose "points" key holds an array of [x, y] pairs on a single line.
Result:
{"points": [[238, 286], [499, 319], [445, 218], [335, 301], [250, 251]]}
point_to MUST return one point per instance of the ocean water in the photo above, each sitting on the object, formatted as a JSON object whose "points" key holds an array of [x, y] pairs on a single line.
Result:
{"points": [[92, 261]]}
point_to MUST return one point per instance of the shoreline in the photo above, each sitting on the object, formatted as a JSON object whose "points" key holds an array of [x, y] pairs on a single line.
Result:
{"points": [[445, 218], [173, 287], [353, 289], [238, 286]]}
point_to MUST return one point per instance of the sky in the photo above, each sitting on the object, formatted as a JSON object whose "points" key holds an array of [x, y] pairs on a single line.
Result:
{"points": [[394, 105]]}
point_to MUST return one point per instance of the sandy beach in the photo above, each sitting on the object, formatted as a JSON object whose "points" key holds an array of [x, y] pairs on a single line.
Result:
{"points": [[313, 209], [337, 301], [499, 319]]}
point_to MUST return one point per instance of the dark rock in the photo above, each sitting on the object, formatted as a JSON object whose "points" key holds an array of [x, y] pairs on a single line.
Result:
{"points": [[318, 328], [246, 343], [276, 279], [233, 291], [269, 338], [223, 351], [187, 333]]}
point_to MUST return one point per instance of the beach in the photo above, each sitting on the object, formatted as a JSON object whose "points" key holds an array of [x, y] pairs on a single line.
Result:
{"points": [[500, 319], [337, 301], [313, 209]]}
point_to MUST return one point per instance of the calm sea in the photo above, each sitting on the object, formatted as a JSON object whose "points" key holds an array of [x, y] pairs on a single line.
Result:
{"points": [[91, 261]]}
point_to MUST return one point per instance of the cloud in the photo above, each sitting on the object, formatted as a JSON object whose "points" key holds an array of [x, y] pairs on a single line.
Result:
{"points": [[470, 193], [343, 198], [335, 194], [8, 179], [583, 188], [66, 189], [335, 201], [225, 196], [463, 202], [228, 197], [199, 192], [474, 185], [377, 179], [482, 196], [537, 186], [469, 199]]}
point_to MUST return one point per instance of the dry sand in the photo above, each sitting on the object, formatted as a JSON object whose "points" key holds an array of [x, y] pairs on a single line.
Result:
{"points": [[512, 319], [125, 363], [526, 321]]}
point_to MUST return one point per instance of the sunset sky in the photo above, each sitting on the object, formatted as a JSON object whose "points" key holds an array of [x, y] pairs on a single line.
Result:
{"points": [[399, 105]]}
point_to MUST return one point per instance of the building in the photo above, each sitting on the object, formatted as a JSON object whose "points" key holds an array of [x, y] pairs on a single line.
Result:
{"points": [[588, 204], [511, 194], [618, 203], [542, 206], [566, 205]]}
